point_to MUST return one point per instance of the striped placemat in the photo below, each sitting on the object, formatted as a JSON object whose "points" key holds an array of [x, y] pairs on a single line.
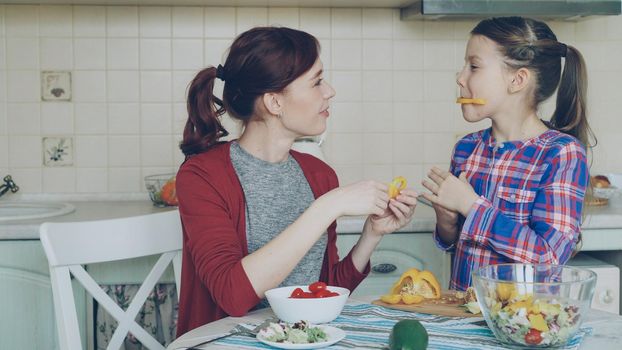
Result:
{"points": [[368, 327]]}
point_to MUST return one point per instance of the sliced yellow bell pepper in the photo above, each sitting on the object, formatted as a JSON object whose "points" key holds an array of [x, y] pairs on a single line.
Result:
{"points": [[475, 101], [538, 322], [412, 299], [506, 291], [418, 282], [398, 184], [391, 298]]}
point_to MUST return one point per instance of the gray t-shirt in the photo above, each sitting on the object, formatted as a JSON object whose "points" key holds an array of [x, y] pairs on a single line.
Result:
{"points": [[276, 195]]}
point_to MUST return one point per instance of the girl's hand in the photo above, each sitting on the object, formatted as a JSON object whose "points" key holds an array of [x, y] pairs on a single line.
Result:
{"points": [[399, 212], [361, 198], [452, 193], [445, 217]]}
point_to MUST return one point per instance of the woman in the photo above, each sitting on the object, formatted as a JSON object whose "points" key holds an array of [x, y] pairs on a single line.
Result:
{"points": [[257, 215]]}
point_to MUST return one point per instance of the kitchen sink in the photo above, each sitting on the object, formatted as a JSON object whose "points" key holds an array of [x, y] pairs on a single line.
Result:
{"points": [[20, 210]]}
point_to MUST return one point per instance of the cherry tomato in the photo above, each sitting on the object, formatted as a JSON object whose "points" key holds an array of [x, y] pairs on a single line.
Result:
{"points": [[317, 286], [324, 293], [296, 293], [333, 294], [533, 337], [307, 295]]}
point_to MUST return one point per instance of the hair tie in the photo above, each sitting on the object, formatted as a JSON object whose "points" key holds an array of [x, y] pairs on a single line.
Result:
{"points": [[220, 72], [564, 49]]}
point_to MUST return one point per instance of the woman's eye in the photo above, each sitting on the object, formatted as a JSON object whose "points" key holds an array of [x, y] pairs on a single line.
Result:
{"points": [[473, 67], [317, 83]]}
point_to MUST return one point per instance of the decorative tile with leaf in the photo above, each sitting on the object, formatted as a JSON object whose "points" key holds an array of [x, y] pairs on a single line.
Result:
{"points": [[57, 151]]}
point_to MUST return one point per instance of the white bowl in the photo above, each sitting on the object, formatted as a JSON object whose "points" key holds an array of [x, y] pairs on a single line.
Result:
{"points": [[313, 310]]}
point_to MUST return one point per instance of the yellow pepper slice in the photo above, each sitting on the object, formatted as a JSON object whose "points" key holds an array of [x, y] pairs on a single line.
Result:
{"points": [[415, 282], [391, 298], [506, 291], [412, 299], [475, 101], [398, 184], [538, 322]]}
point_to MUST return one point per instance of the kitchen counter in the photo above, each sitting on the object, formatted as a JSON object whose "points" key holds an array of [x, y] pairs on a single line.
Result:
{"points": [[599, 219]]}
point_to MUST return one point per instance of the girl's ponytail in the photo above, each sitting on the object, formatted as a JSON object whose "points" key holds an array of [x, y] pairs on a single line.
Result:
{"points": [[203, 128], [570, 112]]}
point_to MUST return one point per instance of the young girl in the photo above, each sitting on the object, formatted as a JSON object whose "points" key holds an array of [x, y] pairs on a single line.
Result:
{"points": [[255, 214], [514, 192]]}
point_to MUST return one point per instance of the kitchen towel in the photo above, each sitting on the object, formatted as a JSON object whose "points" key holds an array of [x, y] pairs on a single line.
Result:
{"points": [[368, 326]]}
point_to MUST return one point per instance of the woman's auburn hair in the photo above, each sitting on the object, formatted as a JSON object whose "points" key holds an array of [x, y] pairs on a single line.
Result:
{"points": [[260, 60]]}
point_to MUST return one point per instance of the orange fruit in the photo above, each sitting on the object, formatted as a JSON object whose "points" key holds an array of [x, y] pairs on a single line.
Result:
{"points": [[168, 194]]}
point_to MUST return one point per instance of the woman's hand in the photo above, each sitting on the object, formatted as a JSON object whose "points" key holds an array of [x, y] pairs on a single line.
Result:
{"points": [[399, 212], [451, 193], [361, 198]]}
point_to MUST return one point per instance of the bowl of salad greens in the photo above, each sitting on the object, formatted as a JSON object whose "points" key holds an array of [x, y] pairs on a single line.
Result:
{"points": [[534, 305]]}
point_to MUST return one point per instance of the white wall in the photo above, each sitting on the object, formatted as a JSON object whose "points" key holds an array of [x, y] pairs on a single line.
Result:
{"points": [[394, 113]]}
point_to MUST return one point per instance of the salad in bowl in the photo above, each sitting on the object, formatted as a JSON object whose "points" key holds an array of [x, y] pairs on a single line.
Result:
{"points": [[534, 305]]}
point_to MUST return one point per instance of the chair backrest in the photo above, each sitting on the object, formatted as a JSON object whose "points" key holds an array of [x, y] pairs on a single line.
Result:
{"points": [[68, 246]]}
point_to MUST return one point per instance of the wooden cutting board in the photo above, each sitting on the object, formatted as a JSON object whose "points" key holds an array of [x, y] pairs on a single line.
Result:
{"points": [[444, 306]]}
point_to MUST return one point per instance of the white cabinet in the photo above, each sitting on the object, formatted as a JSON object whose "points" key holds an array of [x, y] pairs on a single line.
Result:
{"points": [[26, 307], [395, 254], [607, 290]]}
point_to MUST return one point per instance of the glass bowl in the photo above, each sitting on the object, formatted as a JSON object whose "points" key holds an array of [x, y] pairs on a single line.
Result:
{"points": [[161, 189], [536, 305]]}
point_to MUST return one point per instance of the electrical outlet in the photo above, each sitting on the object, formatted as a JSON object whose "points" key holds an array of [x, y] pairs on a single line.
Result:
{"points": [[57, 151]]}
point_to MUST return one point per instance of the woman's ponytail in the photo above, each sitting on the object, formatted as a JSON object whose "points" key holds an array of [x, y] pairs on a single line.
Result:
{"points": [[570, 114], [203, 127]]}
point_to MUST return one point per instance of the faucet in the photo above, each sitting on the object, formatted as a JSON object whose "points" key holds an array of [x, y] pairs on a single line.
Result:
{"points": [[8, 185]]}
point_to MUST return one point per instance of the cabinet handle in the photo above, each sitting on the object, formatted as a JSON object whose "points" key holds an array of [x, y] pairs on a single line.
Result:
{"points": [[606, 297], [384, 268]]}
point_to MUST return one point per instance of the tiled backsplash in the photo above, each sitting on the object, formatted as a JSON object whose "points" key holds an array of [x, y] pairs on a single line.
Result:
{"points": [[394, 113]]}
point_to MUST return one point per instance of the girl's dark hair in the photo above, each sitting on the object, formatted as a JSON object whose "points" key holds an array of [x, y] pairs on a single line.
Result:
{"points": [[532, 44], [528, 43], [260, 60]]}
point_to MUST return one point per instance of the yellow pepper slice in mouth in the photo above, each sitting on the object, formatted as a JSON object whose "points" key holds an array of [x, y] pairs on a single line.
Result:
{"points": [[398, 184], [475, 101]]}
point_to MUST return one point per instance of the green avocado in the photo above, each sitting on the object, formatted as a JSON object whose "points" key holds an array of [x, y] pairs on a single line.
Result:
{"points": [[408, 335]]}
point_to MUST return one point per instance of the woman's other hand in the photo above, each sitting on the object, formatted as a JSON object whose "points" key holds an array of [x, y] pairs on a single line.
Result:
{"points": [[399, 213], [361, 198]]}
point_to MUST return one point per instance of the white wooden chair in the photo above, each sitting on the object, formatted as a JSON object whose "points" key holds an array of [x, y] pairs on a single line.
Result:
{"points": [[68, 246]]}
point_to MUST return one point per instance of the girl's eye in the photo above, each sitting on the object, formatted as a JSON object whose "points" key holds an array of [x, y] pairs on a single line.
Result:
{"points": [[473, 67], [318, 82]]}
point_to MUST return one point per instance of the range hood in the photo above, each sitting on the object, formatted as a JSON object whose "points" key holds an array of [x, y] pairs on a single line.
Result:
{"points": [[570, 10]]}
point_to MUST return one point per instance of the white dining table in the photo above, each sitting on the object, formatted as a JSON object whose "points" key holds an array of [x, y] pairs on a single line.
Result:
{"points": [[606, 328]]}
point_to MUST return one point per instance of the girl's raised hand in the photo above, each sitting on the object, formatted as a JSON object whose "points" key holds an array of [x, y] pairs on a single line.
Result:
{"points": [[450, 192], [399, 212]]}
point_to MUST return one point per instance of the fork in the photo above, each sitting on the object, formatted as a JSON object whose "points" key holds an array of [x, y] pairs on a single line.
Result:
{"points": [[237, 330]]}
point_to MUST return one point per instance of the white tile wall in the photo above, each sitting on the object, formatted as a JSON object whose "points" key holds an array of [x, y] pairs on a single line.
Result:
{"points": [[55, 21], [187, 22], [394, 113], [56, 53], [284, 17]]}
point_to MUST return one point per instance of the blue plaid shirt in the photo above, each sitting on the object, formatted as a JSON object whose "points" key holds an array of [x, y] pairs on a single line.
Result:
{"points": [[530, 205]]}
